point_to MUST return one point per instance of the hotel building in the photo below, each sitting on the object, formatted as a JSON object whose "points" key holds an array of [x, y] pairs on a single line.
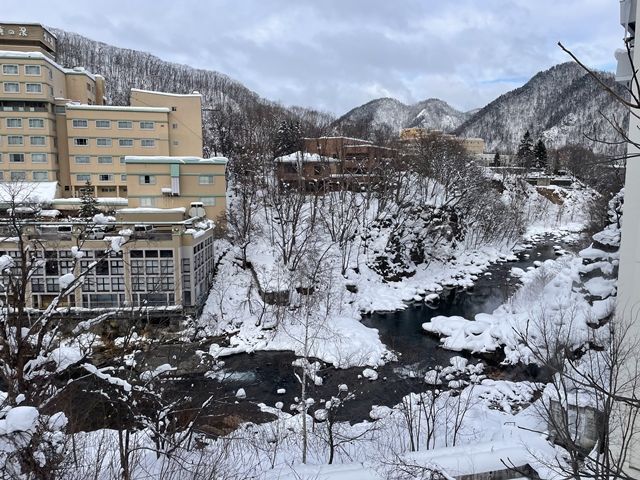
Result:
{"points": [[143, 161]]}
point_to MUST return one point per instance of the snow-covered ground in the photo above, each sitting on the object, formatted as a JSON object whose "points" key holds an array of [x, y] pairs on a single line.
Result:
{"points": [[236, 308]]}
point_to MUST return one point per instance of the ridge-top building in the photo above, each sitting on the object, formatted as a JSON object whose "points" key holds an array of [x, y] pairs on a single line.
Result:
{"points": [[143, 161]]}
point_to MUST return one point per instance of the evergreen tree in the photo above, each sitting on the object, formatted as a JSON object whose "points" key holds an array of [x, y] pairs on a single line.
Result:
{"points": [[496, 159], [288, 137], [89, 205], [525, 153], [540, 153]]}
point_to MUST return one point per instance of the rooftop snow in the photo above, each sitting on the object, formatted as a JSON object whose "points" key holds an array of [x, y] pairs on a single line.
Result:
{"points": [[182, 160], [369, 142], [74, 106], [42, 56], [300, 157], [28, 192], [112, 201], [194, 94], [152, 210]]}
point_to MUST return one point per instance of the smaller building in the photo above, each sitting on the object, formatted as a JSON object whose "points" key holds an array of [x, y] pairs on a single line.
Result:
{"points": [[473, 146], [335, 162], [174, 182]]}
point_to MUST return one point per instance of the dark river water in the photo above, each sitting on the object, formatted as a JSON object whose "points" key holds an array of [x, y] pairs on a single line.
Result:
{"points": [[261, 374]]}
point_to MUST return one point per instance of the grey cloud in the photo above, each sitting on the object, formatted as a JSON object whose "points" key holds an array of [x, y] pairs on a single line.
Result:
{"points": [[336, 54]]}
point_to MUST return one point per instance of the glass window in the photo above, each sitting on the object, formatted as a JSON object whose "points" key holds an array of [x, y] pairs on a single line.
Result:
{"points": [[11, 87], [103, 123], [105, 159], [105, 177], [10, 69], [36, 123], [146, 201], [147, 179], [34, 88], [126, 142], [84, 178], [16, 157], [15, 140], [17, 176], [38, 141], [122, 160], [117, 284], [208, 201], [37, 284], [32, 69], [205, 179], [148, 142], [81, 142], [103, 142], [147, 125], [39, 158], [14, 123], [40, 176], [125, 124], [82, 159], [123, 178], [80, 123]]}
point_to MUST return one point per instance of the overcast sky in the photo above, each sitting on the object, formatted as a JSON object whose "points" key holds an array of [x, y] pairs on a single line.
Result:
{"points": [[337, 54]]}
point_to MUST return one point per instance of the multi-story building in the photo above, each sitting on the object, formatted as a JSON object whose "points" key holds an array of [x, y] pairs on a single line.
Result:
{"points": [[629, 270], [142, 160], [473, 146], [331, 162]]}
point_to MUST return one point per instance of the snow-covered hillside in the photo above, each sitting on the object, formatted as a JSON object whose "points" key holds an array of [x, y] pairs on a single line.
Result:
{"points": [[563, 105]]}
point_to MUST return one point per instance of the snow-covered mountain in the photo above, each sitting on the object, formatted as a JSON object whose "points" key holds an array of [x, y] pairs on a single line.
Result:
{"points": [[392, 115], [562, 105]]}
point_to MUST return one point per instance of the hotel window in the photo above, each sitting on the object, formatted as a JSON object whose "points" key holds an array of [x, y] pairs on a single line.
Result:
{"points": [[205, 179], [122, 160], [34, 88], [15, 140], [17, 176], [148, 142], [40, 176], [38, 158], [126, 142], [105, 160], [36, 123], [174, 125], [32, 70], [105, 177], [59, 109], [80, 123], [82, 159], [81, 142], [125, 125], [10, 69], [103, 123], [147, 125], [147, 179], [16, 157], [103, 142], [146, 201], [14, 123], [208, 201], [84, 178], [38, 141], [123, 178], [11, 87]]}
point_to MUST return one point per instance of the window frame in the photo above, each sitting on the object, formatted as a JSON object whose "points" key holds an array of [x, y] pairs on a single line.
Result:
{"points": [[27, 74], [4, 65]]}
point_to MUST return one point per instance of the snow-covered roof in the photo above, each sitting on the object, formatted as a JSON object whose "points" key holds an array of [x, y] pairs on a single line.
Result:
{"points": [[152, 210], [111, 201], [179, 160], [304, 157], [28, 192], [78, 106], [361, 140], [475, 458], [41, 56], [194, 94]]}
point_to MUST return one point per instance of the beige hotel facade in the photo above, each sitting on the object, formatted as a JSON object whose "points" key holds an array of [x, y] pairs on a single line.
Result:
{"points": [[143, 159]]}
